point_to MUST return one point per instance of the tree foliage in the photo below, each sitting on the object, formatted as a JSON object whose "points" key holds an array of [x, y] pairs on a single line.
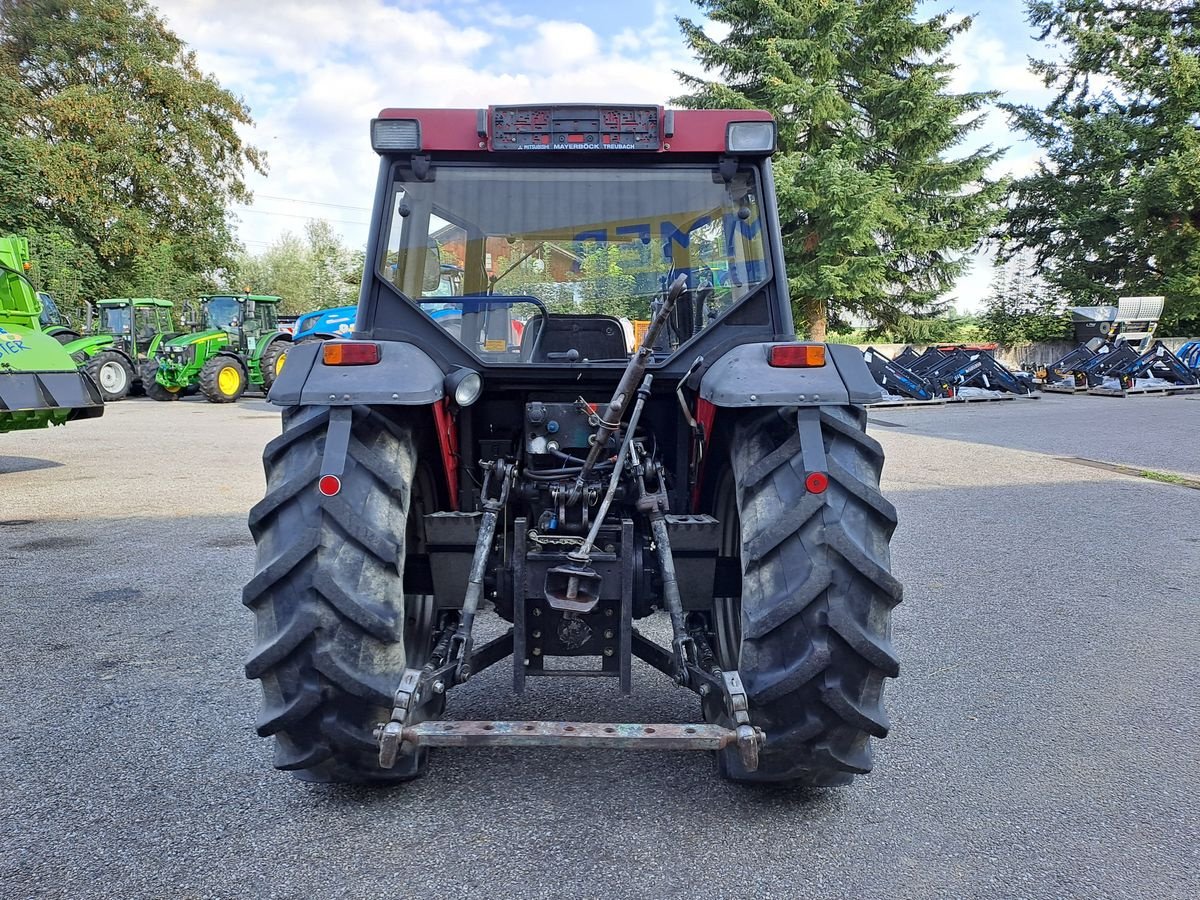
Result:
{"points": [[115, 145], [877, 212], [316, 271], [1114, 209], [1022, 307]]}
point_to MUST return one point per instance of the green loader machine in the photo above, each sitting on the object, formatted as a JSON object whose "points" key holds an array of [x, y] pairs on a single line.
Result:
{"points": [[240, 346], [129, 332], [40, 384]]}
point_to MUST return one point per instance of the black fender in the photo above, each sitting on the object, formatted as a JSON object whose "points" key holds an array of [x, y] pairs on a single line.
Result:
{"points": [[404, 376], [743, 378]]}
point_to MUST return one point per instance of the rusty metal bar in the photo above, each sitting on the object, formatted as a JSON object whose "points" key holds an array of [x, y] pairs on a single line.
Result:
{"points": [[618, 736]]}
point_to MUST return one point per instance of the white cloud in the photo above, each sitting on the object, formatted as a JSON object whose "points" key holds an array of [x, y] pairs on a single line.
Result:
{"points": [[314, 75]]}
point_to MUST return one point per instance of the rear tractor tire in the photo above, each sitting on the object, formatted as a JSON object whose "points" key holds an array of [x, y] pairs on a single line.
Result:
{"points": [[153, 389], [271, 362], [112, 373], [810, 634], [223, 379], [334, 629]]}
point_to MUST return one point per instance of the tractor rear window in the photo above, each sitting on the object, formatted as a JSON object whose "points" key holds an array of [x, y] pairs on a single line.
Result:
{"points": [[500, 256]]}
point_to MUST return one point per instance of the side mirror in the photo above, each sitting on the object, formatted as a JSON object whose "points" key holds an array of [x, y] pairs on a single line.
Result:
{"points": [[432, 273]]}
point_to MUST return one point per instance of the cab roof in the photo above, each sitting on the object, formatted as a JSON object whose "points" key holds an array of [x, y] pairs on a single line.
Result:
{"points": [[136, 301], [657, 130], [257, 298]]}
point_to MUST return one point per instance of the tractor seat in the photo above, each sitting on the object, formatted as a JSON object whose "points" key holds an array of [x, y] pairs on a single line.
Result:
{"points": [[551, 337]]}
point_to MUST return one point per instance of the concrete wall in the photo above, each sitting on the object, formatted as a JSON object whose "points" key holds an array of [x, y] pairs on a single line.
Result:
{"points": [[1017, 355]]}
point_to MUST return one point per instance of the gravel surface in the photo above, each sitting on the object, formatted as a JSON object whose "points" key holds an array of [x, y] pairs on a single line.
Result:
{"points": [[1045, 724]]}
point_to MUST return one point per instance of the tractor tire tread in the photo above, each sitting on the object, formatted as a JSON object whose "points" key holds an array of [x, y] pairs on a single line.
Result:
{"points": [[328, 596], [816, 597]]}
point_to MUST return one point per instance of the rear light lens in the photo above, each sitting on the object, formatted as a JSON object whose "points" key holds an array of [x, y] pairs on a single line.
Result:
{"points": [[395, 134], [329, 485], [796, 356], [350, 353], [816, 482]]}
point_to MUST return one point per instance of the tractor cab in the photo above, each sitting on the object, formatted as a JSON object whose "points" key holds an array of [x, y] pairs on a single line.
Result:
{"points": [[245, 318], [135, 323]]}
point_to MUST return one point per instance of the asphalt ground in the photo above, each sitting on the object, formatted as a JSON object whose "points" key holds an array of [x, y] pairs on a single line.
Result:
{"points": [[1045, 725]]}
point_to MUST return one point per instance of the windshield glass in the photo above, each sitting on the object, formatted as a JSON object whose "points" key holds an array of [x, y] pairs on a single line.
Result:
{"points": [[565, 264], [222, 313], [114, 319], [50, 314]]}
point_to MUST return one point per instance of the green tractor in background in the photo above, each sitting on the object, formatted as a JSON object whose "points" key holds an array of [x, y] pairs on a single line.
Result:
{"points": [[130, 330], [39, 382], [241, 346]]}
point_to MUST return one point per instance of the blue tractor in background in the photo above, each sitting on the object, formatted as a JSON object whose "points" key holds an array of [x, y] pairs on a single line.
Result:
{"points": [[325, 323], [338, 322]]}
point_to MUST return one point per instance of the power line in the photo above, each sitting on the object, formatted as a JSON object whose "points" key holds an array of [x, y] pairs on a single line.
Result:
{"points": [[312, 202], [267, 212]]}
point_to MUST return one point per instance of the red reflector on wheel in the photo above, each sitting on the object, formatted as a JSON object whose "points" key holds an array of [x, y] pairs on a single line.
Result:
{"points": [[796, 356], [817, 482], [350, 353], [329, 485]]}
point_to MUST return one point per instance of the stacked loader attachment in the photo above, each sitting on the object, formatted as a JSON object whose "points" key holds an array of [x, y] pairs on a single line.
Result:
{"points": [[893, 377], [1158, 370], [942, 374]]}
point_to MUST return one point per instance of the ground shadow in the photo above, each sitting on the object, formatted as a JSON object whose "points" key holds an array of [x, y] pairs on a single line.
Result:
{"points": [[12, 464]]}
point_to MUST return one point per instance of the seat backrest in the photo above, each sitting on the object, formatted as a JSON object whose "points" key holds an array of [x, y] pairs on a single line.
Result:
{"points": [[548, 338]]}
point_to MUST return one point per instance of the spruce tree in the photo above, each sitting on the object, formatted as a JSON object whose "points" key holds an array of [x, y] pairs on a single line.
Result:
{"points": [[1114, 209], [878, 211]]}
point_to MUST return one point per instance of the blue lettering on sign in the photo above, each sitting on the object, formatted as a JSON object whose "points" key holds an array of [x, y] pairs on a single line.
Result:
{"points": [[734, 226], [11, 348], [682, 236]]}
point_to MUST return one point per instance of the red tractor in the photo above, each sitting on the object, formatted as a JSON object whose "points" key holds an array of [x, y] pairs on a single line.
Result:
{"points": [[511, 445]]}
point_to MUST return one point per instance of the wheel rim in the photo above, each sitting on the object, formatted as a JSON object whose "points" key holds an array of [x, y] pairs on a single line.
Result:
{"points": [[112, 377], [228, 380], [279, 361]]}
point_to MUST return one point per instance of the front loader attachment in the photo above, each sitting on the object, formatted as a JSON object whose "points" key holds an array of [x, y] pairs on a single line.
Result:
{"points": [[40, 399]]}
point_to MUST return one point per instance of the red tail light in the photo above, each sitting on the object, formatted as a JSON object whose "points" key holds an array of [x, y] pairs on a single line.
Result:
{"points": [[796, 356], [350, 353], [329, 485]]}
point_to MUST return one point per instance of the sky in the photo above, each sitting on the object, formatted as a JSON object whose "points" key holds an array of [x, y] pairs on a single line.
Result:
{"points": [[314, 72]]}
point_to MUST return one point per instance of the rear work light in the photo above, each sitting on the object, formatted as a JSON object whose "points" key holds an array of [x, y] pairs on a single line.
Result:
{"points": [[750, 137], [796, 356], [350, 353], [395, 134]]}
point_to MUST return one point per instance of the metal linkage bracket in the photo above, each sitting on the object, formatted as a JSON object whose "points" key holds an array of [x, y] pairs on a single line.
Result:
{"points": [[749, 738], [405, 703]]}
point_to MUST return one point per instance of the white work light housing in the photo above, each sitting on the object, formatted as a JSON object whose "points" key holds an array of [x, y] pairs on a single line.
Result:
{"points": [[750, 137], [395, 134]]}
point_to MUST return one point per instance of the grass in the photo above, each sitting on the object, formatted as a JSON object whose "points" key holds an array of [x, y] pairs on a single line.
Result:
{"points": [[1166, 477]]}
